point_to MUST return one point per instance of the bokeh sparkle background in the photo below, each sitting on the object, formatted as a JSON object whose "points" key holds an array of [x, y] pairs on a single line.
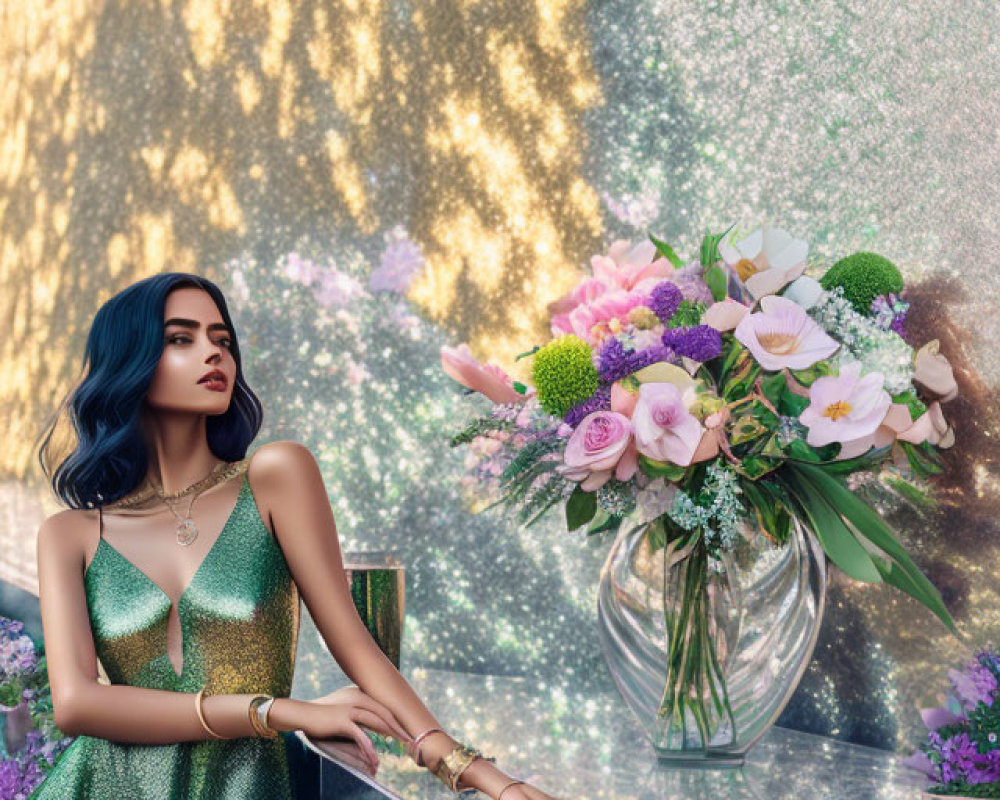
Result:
{"points": [[370, 180]]}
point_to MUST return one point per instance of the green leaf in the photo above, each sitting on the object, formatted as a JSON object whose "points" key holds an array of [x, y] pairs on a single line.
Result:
{"points": [[835, 537], [717, 280], [755, 466], [530, 352], [773, 387], [732, 350], [667, 252], [709, 253], [870, 525], [848, 465], [661, 469], [803, 452], [924, 461], [580, 508], [609, 523], [746, 428]]}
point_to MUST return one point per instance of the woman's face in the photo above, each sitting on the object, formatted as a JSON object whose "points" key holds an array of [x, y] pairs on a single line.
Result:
{"points": [[195, 342]]}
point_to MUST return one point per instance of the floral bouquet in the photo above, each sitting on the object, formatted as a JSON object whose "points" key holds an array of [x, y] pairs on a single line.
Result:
{"points": [[31, 740], [727, 394], [961, 754]]}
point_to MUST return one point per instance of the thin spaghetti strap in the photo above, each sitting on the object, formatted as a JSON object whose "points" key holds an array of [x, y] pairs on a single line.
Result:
{"points": [[100, 521]]}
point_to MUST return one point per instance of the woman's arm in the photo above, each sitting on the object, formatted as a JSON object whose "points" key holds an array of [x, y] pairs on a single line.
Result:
{"points": [[303, 521], [81, 705]]}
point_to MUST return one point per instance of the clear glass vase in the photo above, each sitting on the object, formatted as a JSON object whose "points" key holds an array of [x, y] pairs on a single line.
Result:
{"points": [[708, 659]]}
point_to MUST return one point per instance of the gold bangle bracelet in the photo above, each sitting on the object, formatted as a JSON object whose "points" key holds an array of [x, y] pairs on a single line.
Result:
{"points": [[263, 732], [505, 788], [201, 714], [450, 768]]}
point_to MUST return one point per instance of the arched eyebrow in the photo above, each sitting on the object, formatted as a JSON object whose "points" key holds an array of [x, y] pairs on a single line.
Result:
{"points": [[192, 323]]}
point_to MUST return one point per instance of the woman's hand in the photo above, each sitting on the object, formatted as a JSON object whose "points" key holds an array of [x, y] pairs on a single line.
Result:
{"points": [[340, 715]]}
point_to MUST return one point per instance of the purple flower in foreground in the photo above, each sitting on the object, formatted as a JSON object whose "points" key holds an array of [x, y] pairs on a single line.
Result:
{"points": [[615, 362], [699, 342], [598, 401], [665, 299], [689, 280]]}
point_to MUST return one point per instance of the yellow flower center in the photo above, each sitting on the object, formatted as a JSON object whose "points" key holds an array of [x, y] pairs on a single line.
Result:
{"points": [[745, 268], [837, 410]]}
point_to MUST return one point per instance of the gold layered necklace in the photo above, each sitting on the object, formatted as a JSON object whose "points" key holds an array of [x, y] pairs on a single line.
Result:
{"points": [[187, 531]]}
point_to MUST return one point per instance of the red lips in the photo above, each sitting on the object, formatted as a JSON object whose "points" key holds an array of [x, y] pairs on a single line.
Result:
{"points": [[214, 375]]}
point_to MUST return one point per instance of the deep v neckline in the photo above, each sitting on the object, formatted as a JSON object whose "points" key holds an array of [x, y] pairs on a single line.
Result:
{"points": [[244, 484]]}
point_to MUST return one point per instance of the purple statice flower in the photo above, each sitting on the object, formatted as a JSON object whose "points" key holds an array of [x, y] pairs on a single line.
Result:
{"points": [[698, 342], [615, 361], [664, 300], [692, 285], [598, 401], [889, 312]]}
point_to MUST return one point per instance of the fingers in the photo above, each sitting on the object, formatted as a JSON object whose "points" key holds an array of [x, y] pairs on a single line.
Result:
{"points": [[394, 728], [371, 720], [367, 748]]}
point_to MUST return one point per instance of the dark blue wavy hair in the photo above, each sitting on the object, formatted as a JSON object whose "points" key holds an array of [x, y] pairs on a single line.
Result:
{"points": [[123, 349]]}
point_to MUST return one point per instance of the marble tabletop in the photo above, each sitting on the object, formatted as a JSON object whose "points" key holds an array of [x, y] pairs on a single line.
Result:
{"points": [[596, 751]]}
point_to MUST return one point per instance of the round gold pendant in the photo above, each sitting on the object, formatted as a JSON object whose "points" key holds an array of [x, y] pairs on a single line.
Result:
{"points": [[186, 533]]}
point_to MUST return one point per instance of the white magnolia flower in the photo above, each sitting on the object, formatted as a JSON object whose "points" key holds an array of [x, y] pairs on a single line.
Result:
{"points": [[766, 260]]}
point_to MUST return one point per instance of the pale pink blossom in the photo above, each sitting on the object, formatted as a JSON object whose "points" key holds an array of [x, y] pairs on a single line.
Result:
{"points": [[628, 267], [724, 315], [932, 371], [782, 335], [335, 288], [930, 426], [399, 264], [766, 260], [845, 407], [301, 270], [593, 321], [664, 428], [601, 446], [487, 379], [621, 280]]}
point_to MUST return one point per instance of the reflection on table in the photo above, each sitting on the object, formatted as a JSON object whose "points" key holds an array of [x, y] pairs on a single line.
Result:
{"points": [[593, 750]]}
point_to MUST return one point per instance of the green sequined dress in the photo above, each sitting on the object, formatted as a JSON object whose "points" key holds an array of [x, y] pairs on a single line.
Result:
{"points": [[239, 618]]}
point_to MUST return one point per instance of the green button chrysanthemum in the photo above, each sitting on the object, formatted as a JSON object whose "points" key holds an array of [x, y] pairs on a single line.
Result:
{"points": [[864, 277], [564, 374]]}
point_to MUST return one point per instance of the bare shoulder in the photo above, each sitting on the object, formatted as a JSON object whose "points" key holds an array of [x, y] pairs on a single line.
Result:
{"points": [[273, 466], [65, 532]]}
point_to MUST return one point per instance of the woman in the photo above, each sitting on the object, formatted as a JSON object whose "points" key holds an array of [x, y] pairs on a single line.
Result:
{"points": [[179, 565]]}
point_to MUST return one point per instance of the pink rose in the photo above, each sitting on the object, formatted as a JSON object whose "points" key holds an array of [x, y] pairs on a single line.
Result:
{"points": [[487, 379], [600, 446]]}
